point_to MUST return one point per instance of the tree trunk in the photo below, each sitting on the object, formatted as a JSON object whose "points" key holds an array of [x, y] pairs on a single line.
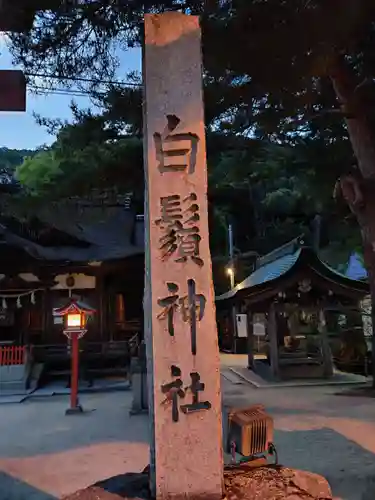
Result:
{"points": [[358, 189]]}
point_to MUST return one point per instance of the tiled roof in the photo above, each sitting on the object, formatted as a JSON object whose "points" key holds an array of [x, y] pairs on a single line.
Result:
{"points": [[110, 234], [266, 273], [276, 268]]}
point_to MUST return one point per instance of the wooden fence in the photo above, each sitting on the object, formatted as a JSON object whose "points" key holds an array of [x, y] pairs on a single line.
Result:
{"points": [[12, 355]]}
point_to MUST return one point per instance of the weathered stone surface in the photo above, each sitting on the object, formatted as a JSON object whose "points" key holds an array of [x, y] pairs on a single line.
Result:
{"points": [[180, 325], [241, 483], [272, 483]]}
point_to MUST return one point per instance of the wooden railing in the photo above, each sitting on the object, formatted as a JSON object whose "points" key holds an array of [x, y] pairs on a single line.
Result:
{"points": [[90, 347], [12, 355]]}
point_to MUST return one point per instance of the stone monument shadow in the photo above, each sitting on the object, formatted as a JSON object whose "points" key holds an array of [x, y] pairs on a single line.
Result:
{"points": [[15, 489]]}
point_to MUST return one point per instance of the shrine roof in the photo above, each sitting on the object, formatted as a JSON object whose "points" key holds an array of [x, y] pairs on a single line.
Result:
{"points": [[266, 273], [271, 271], [74, 306], [113, 233]]}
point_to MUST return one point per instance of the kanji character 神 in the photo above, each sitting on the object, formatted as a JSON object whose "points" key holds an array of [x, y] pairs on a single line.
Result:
{"points": [[192, 307], [169, 305]]}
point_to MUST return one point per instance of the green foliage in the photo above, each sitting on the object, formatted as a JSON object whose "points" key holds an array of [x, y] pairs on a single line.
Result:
{"points": [[269, 192], [10, 159], [276, 88], [276, 85], [85, 156], [39, 171], [285, 191]]}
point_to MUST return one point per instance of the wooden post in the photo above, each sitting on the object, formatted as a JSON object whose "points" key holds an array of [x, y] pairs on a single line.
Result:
{"points": [[250, 340], [101, 304], [180, 327], [47, 318], [234, 311], [74, 405], [272, 335]]}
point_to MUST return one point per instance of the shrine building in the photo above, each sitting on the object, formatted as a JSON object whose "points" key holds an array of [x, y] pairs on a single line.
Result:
{"points": [[294, 315], [92, 254]]}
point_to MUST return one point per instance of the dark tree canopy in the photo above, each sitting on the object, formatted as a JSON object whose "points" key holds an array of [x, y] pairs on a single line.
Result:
{"points": [[287, 53], [265, 190], [278, 87]]}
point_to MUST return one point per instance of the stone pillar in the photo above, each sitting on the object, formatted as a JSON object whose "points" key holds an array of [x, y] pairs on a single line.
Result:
{"points": [[138, 371], [183, 362], [326, 349]]}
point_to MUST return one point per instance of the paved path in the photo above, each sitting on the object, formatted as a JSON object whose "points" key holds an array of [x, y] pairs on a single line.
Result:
{"points": [[44, 454]]}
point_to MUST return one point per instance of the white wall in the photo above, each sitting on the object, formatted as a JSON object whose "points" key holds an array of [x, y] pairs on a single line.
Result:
{"points": [[82, 282]]}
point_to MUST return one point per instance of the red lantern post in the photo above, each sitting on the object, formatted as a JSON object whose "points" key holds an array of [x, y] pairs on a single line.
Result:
{"points": [[75, 316]]}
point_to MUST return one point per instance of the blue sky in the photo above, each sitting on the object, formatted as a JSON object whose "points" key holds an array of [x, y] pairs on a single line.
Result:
{"points": [[19, 130]]}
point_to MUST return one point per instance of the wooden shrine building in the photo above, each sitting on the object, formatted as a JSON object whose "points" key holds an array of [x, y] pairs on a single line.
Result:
{"points": [[286, 315], [92, 253]]}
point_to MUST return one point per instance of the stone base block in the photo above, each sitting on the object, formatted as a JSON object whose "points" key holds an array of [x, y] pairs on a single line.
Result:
{"points": [[140, 411], [74, 411], [242, 482]]}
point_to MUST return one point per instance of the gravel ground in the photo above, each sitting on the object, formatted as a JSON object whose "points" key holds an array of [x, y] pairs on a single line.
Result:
{"points": [[44, 454]]}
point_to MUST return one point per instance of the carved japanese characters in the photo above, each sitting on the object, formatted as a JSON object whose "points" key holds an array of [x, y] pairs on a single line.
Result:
{"points": [[175, 392], [179, 228], [191, 306], [180, 326], [175, 151]]}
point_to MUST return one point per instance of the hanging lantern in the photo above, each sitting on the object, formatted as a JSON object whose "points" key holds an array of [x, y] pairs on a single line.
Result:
{"points": [[4, 303], [70, 281], [304, 286], [32, 299], [19, 305]]}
